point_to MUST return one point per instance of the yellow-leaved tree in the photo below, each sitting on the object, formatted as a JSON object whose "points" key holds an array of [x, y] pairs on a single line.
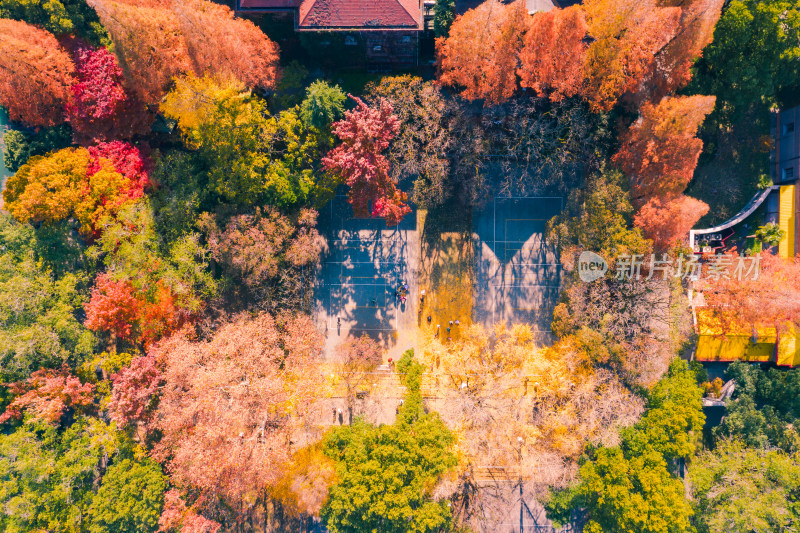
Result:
{"points": [[520, 412]]}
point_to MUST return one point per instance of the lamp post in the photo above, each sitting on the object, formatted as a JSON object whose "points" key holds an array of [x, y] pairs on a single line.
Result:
{"points": [[521, 497]]}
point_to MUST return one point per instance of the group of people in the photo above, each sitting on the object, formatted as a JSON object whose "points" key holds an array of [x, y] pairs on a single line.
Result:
{"points": [[402, 292]]}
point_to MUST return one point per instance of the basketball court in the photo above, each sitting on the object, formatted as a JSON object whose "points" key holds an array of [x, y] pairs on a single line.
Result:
{"points": [[517, 273]]}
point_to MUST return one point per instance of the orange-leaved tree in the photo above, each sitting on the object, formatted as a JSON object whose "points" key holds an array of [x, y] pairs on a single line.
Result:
{"points": [[667, 219], [659, 151], [766, 293], [35, 74], [148, 44], [552, 59], [223, 46], [79, 183], [232, 408], [625, 38], [675, 59], [480, 55], [113, 307], [158, 40]]}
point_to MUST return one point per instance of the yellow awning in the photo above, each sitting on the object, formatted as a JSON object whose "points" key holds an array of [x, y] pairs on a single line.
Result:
{"points": [[786, 220]]}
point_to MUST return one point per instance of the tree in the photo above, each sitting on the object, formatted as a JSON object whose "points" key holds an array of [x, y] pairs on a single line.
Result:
{"points": [[168, 39], [620, 493], [737, 488], [480, 54], [667, 219], [21, 146], [264, 253], [764, 410], [60, 17], [47, 395], [659, 151], [225, 46], [134, 252], [626, 37], [443, 14], [129, 499], [251, 158], [357, 358], [496, 386], [100, 107], [769, 299], [130, 161], [38, 309], [113, 308], [135, 390], [35, 74], [47, 188], [103, 194], [386, 473], [365, 133], [631, 488], [770, 234], [49, 474], [544, 147], [751, 60], [421, 150], [79, 183], [227, 420], [673, 423], [675, 60], [323, 105], [148, 43], [176, 516], [552, 59], [598, 218]]}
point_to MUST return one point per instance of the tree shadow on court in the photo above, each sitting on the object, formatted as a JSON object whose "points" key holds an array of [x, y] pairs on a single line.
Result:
{"points": [[357, 279], [517, 276], [445, 269]]}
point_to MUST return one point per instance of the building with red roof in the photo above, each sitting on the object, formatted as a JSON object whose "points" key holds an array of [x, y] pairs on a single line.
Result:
{"points": [[384, 32]]}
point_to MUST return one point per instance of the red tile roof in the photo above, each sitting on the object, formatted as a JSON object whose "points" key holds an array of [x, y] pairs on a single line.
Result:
{"points": [[359, 14]]}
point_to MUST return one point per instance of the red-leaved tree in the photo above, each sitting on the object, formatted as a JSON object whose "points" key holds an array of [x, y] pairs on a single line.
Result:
{"points": [[35, 74], [365, 133], [47, 394], [98, 94], [667, 219], [113, 307], [552, 59], [133, 396], [659, 151], [130, 161], [176, 516]]}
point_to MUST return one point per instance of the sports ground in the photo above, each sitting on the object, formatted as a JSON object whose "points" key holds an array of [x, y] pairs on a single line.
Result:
{"points": [[483, 266]]}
